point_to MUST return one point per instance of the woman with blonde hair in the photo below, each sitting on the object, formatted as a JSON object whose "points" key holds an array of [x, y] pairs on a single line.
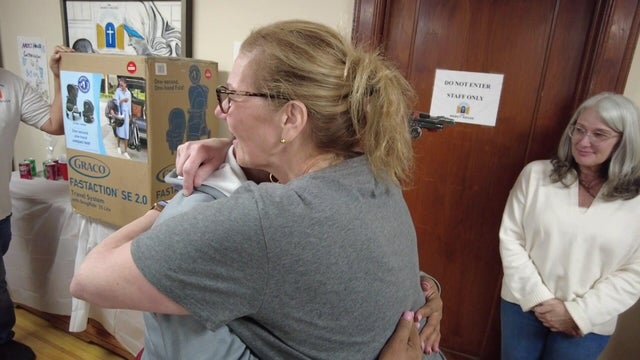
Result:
{"points": [[319, 263]]}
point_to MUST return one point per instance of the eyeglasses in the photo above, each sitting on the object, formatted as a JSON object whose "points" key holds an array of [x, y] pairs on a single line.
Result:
{"points": [[224, 101], [577, 133]]}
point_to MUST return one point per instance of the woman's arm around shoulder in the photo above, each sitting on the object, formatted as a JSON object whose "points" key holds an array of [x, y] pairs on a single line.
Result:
{"points": [[108, 276]]}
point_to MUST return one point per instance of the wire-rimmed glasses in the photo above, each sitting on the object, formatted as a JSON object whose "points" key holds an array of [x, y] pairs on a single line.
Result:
{"points": [[577, 133]]}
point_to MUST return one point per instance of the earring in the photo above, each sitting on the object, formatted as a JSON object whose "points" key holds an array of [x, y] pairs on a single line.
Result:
{"points": [[283, 141], [273, 179]]}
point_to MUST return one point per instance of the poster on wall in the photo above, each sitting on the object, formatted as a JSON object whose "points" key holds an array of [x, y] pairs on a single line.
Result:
{"points": [[154, 28], [467, 97], [34, 63]]}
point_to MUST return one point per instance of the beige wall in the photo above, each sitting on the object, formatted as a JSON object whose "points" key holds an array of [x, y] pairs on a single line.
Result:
{"points": [[624, 343], [217, 26]]}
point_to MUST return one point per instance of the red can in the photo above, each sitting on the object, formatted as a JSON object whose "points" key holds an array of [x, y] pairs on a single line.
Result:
{"points": [[25, 170], [63, 171], [51, 170]]}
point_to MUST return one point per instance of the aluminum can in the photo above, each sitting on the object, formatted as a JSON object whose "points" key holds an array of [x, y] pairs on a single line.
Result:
{"points": [[63, 170], [32, 161], [25, 170], [50, 170]]}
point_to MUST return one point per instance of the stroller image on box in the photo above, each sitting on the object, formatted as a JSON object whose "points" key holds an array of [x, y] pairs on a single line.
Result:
{"points": [[72, 103], [112, 113], [134, 135]]}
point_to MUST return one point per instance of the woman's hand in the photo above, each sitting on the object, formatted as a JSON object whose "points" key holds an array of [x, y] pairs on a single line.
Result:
{"points": [[554, 315], [432, 310], [404, 343], [196, 160]]}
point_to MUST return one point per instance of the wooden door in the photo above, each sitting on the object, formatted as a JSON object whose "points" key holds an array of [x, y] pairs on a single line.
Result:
{"points": [[553, 55]]}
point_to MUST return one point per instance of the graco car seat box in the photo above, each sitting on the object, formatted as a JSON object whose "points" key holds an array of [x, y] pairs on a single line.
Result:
{"points": [[119, 150]]}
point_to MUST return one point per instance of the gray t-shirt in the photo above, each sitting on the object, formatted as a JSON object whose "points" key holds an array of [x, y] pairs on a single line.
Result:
{"points": [[321, 267]]}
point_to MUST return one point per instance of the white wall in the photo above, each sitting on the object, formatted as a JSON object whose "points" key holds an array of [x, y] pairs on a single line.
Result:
{"points": [[18, 18], [217, 26]]}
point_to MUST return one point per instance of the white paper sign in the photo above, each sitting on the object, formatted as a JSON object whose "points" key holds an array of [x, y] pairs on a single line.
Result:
{"points": [[467, 97], [34, 63]]}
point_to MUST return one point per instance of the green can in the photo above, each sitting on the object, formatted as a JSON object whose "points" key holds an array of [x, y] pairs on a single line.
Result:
{"points": [[32, 161]]}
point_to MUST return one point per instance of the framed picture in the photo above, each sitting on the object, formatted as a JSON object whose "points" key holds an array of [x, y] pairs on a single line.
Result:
{"points": [[157, 28]]}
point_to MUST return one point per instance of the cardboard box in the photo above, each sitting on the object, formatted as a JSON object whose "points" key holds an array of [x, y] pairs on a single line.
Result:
{"points": [[172, 101]]}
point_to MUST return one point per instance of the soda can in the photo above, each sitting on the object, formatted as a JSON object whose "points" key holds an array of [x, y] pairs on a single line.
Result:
{"points": [[32, 161], [55, 162], [63, 171], [50, 170], [25, 170]]}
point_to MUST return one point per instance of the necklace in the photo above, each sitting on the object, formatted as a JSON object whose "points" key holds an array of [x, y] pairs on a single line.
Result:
{"points": [[592, 187]]}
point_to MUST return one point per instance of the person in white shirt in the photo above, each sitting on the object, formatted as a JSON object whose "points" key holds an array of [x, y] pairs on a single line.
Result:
{"points": [[570, 237]]}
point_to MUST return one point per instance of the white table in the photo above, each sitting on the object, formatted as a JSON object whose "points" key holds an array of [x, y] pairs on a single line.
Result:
{"points": [[49, 240]]}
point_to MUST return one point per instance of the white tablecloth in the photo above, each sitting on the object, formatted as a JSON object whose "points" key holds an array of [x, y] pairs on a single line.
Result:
{"points": [[48, 241]]}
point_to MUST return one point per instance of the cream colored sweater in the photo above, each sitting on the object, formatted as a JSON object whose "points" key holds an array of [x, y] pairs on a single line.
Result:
{"points": [[551, 248]]}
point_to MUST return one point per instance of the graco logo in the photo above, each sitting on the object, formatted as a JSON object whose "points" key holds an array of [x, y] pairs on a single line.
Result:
{"points": [[164, 171], [89, 167]]}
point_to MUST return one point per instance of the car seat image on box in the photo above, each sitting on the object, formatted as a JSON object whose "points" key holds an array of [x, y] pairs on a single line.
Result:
{"points": [[87, 112], [198, 95], [177, 127]]}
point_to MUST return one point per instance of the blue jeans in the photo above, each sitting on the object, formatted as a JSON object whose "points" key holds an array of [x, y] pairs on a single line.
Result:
{"points": [[524, 337], [7, 312]]}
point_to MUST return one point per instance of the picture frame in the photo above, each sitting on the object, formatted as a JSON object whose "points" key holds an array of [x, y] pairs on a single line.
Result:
{"points": [[156, 28]]}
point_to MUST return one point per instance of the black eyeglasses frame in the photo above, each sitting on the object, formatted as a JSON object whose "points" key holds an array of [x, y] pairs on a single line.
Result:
{"points": [[225, 90]]}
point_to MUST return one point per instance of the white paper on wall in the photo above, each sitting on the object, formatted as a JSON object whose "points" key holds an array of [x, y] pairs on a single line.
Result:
{"points": [[467, 97], [34, 64]]}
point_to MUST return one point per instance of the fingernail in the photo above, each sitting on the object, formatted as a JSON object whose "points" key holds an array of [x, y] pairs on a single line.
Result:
{"points": [[407, 315], [419, 317], [423, 345], [425, 284]]}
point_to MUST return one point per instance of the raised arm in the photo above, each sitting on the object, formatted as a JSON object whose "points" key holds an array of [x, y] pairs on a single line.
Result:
{"points": [[196, 160], [54, 124]]}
